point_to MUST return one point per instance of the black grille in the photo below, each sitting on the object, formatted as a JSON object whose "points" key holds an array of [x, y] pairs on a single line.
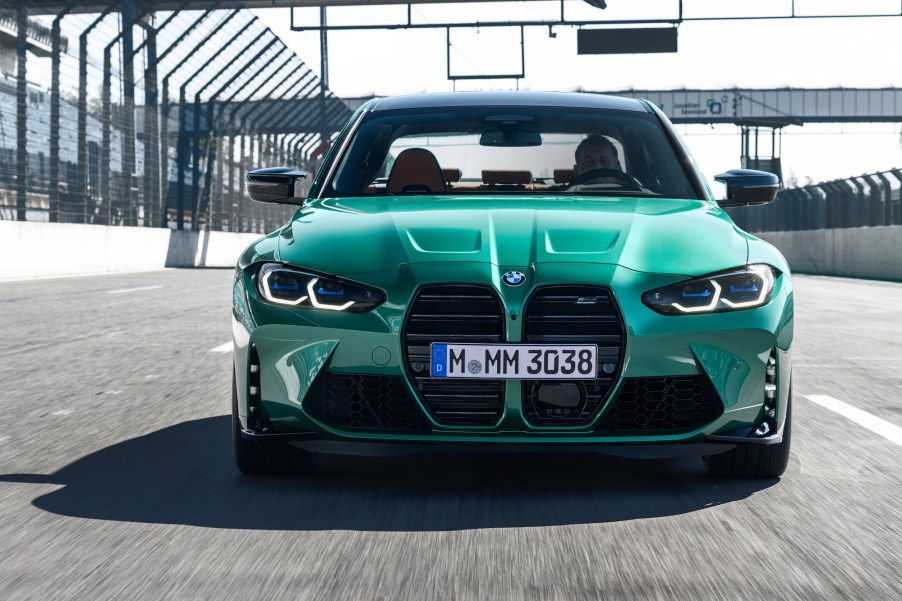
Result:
{"points": [[668, 405], [454, 313], [364, 401], [573, 315]]}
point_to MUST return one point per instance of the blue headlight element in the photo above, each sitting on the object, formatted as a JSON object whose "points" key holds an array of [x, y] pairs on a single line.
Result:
{"points": [[742, 288], [733, 288], [339, 292], [283, 285]]}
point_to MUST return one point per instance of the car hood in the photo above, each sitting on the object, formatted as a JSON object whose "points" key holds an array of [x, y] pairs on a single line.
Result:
{"points": [[359, 235]]}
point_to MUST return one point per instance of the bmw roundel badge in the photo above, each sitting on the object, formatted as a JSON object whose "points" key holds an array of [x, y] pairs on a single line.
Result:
{"points": [[513, 278]]}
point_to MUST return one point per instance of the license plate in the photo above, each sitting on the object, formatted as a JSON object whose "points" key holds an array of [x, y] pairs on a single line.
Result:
{"points": [[515, 361]]}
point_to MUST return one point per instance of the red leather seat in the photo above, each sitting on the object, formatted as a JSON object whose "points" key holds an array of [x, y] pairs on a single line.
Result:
{"points": [[452, 174], [563, 176], [416, 171], [506, 177]]}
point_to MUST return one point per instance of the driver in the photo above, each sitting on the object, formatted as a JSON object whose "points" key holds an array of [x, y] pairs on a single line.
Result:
{"points": [[596, 152]]}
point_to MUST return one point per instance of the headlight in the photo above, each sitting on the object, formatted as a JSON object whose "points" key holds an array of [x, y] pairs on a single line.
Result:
{"points": [[743, 288], [283, 285]]}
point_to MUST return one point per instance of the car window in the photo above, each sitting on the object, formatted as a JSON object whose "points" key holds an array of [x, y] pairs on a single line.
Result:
{"points": [[516, 150]]}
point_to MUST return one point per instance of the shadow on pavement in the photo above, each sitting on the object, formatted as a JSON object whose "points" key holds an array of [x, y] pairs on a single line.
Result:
{"points": [[184, 474]]}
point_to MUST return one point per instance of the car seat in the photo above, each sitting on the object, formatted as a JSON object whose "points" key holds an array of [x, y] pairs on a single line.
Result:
{"points": [[416, 171]]}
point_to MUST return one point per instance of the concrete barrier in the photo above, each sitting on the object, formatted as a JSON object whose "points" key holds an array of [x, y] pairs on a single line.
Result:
{"points": [[207, 249], [863, 252], [41, 249]]}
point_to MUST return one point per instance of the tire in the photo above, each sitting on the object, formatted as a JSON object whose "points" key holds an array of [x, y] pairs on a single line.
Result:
{"points": [[259, 457], [755, 461]]}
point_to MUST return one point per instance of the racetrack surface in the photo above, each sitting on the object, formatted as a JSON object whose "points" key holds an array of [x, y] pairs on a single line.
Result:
{"points": [[117, 479]]}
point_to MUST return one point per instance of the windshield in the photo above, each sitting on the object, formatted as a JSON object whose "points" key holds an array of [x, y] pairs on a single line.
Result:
{"points": [[515, 150]]}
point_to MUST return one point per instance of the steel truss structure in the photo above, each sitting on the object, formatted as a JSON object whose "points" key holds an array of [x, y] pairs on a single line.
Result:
{"points": [[673, 15], [150, 111], [764, 113], [147, 117]]}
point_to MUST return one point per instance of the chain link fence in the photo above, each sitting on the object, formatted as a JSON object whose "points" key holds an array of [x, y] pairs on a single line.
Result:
{"points": [[133, 117], [862, 201]]}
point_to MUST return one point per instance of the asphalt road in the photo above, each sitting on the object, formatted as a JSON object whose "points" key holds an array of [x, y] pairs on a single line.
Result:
{"points": [[117, 481]]}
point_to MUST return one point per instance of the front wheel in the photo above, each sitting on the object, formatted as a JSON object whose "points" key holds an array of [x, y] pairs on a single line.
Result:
{"points": [[755, 461], [265, 456]]}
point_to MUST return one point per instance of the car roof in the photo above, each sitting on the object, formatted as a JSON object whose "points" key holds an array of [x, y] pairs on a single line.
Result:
{"points": [[508, 98]]}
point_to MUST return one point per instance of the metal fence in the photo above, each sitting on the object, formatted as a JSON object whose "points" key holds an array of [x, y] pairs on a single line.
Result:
{"points": [[142, 118], [862, 201]]}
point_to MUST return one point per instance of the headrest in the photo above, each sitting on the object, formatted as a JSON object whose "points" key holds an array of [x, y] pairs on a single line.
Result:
{"points": [[416, 170], [563, 176], [451, 174], [493, 176]]}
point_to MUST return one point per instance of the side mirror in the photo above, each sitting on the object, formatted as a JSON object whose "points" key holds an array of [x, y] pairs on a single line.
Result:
{"points": [[274, 185], [748, 187]]}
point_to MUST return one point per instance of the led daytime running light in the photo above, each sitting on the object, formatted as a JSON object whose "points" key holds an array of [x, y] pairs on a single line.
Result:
{"points": [[766, 277], [281, 301], [294, 287], [714, 298], [747, 287], [318, 304]]}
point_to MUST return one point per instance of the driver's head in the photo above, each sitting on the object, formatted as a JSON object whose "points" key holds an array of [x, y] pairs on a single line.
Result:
{"points": [[595, 152]]}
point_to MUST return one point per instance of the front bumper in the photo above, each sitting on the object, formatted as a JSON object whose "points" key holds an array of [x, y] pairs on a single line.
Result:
{"points": [[313, 442], [296, 349]]}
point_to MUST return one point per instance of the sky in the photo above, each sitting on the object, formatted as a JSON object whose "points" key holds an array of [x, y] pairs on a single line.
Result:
{"points": [[799, 53]]}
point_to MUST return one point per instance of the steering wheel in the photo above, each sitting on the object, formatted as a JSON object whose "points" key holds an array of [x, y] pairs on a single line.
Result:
{"points": [[624, 177]]}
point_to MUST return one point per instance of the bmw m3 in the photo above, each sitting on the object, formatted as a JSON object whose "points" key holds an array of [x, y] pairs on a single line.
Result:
{"points": [[511, 271]]}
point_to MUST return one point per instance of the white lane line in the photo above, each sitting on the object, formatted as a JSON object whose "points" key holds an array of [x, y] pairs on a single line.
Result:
{"points": [[124, 290], [880, 328], [62, 412], [880, 426], [849, 360], [222, 348]]}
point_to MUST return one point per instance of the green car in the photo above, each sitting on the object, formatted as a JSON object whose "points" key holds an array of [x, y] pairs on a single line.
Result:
{"points": [[511, 271]]}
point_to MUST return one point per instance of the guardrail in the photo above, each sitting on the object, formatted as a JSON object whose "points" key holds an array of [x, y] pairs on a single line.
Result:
{"points": [[862, 201]]}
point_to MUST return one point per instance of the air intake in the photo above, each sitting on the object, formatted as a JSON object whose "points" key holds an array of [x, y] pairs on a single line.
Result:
{"points": [[668, 405], [364, 402], [255, 420]]}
